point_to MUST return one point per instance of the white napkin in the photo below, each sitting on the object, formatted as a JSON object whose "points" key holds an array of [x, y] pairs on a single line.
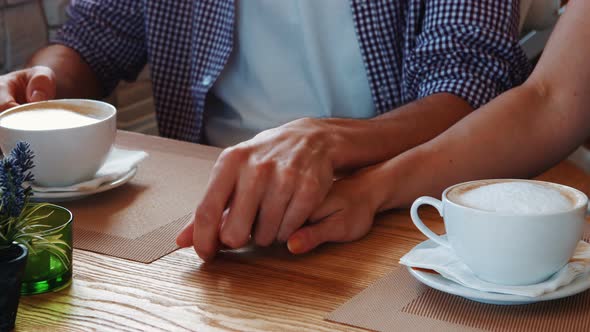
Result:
{"points": [[444, 261], [119, 162]]}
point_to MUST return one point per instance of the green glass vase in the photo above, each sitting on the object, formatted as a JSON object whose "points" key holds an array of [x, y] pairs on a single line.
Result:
{"points": [[45, 272]]}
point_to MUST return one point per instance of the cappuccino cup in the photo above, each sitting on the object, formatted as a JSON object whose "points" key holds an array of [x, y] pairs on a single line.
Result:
{"points": [[509, 232], [70, 138]]}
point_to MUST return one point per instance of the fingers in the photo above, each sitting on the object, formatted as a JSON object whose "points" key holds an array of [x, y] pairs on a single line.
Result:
{"points": [[9, 86], [185, 237], [305, 200], [235, 232], [208, 216], [331, 204], [343, 216], [41, 84], [272, 209], [323, 227], [311, 236], [28, 85]]}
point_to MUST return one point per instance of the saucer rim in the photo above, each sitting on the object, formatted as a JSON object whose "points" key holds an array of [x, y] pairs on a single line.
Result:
{"points": [[438, 282], [70, 195]]}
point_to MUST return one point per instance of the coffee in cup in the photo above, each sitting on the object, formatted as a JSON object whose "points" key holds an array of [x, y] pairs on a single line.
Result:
{"points": [[70, 138], [514, 197], [509, 232]]}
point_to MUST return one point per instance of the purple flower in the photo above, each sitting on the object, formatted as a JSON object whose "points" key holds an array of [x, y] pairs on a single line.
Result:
{"points": [[15, 174], [23, 158]]}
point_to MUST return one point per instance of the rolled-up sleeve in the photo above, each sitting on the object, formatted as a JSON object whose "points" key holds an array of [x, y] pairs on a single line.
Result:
{"points": [[466, 48], [110, 37]]}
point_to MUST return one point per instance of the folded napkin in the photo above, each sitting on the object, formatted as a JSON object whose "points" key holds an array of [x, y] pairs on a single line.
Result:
{"points": [[444, 261], [119, 162]]}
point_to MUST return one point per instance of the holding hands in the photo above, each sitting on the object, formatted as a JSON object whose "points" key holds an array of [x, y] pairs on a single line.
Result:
{"points": [[346, 214], [265, 188]]}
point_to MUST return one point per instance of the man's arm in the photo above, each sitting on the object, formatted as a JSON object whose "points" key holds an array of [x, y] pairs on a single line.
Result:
{"points": [[357, 143], [102, 43], [75, 78]]}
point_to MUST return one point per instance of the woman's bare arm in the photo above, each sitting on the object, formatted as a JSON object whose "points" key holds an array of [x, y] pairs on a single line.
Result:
{"points": [[519, 134]]}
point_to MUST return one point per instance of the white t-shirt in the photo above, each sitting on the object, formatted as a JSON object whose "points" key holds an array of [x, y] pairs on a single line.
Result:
{"points": [[291, 59]]}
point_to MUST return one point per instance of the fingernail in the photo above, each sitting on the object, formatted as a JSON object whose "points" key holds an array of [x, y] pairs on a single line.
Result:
{"points": [[295, 244], [38, 95]]}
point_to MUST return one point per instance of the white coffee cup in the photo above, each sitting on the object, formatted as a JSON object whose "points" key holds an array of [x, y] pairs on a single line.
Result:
{"points": [[68, 155], [508, 248]]}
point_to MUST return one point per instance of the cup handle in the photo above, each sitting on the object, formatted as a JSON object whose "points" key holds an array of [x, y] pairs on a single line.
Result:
{"points": [[425, 200]]}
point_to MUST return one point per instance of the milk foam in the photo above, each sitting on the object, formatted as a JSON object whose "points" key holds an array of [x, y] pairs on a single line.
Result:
{"points": [[515, 198], [45, 119]]}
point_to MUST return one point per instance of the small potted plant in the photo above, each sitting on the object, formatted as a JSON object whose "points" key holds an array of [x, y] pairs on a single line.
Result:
{"points": [[27, 229]]}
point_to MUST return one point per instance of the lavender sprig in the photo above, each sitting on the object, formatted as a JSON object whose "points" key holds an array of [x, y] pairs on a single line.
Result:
{"points": [[23, 158], [15, 175]]}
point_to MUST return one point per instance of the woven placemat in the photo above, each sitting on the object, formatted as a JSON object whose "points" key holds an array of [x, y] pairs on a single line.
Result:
{"points": [[140, 220], [398, 302]]}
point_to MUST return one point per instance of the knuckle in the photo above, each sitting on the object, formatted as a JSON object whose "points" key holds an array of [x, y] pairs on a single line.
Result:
{"points": [[263, 169], [42, 70], [224, 155], [235, 153], [203, 216], [304, 122], [289, 174]]}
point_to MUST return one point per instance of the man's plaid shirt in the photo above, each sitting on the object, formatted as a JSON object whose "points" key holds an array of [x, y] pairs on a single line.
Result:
{"points": [[411, 49]]}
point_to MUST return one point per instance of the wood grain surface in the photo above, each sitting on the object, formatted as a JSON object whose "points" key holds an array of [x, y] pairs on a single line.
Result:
{"points": [[250, 289]]}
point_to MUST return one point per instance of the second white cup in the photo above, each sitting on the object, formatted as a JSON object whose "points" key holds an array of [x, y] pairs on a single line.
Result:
{"points": [[508, 248]]}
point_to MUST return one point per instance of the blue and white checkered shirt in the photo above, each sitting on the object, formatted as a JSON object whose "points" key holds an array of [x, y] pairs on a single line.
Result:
{"points": [[411, 49]]}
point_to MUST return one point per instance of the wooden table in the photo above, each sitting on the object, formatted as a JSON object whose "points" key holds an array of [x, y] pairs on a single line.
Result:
{"points": [[249, 289]]}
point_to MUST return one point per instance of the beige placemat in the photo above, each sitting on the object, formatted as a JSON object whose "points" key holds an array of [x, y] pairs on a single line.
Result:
{"points": [[398, 302], [139, 220]]}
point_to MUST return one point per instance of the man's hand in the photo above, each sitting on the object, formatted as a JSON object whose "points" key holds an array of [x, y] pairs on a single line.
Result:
{"points": [[346, 214], [27, 86], [270, 185]]}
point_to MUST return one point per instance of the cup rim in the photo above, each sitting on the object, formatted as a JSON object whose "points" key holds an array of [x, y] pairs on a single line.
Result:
{"points": [[105, 105], [582, 204]]}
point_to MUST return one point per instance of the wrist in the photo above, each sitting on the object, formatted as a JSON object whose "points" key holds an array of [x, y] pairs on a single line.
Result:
{"points": [[401, 180], [342, 141], [374, 187]]}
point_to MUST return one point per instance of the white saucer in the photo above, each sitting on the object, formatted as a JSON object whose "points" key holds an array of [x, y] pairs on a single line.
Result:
{"points": [[443, 284], [63, 196]]}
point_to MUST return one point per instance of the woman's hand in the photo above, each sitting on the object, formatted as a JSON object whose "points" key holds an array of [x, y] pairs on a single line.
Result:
{"points": [[345, 215]]}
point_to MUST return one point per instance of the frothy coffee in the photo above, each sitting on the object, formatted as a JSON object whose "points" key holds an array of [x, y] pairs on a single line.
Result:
{"points": [[46, 119], [515, 197]]}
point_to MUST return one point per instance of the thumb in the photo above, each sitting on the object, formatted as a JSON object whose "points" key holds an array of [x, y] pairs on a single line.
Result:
{"points": [[185, 237], [41, 84], [308, 237]]}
